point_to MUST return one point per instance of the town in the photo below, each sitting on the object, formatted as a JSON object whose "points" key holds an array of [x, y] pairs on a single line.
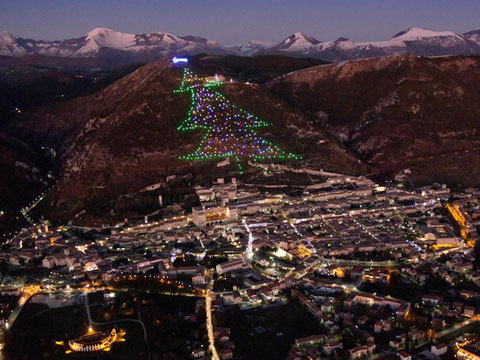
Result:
{"points": [[350, 269]]}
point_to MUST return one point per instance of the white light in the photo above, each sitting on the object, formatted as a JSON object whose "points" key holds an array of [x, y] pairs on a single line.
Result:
{"points": [[176, 60]]}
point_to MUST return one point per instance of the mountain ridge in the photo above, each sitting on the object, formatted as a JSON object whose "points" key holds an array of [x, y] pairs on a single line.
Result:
{"points": [[145, 47]]}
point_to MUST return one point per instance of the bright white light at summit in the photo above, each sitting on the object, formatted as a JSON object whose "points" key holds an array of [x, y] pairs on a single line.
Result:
{"points": [[177, 60]]}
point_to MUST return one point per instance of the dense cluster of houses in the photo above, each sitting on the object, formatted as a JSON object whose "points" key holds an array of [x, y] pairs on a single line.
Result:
{"points": [[320, 249]]}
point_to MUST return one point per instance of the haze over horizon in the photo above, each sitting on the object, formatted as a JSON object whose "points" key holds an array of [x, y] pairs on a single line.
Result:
{"points": [[232, 23]]}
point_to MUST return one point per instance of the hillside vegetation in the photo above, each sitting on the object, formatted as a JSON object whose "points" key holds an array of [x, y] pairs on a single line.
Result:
{"points": [[398, 112]]}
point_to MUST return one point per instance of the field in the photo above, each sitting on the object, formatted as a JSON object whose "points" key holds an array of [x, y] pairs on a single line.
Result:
{"points": [[258, 334], [37, 327]]}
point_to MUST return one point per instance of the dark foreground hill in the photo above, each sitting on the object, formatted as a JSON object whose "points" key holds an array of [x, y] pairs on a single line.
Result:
{"points": [[372, 117], [27, 86], [24, 175], [258, 69], [398, 112], [114, 143]]}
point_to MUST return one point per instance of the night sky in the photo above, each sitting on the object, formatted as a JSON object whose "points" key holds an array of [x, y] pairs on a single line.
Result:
{"points": [[237, 21]]}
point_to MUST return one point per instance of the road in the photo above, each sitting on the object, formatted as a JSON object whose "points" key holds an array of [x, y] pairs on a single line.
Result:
{"points": [[208, 311], [346, 262], [457, 327], [211, 336], [249, 250], [91, 322], [37, 201], [292, 224]]}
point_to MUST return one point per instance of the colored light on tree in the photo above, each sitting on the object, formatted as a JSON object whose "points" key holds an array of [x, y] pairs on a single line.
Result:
{"points": [[230, 131]]}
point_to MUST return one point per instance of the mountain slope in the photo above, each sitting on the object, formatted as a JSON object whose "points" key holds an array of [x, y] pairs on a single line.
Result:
{"points": [[26, 87], [118, 141], [296, 43], [473, 36], [399, 112], [257, 69], [9, 45], [249, 48], [24, 177]]}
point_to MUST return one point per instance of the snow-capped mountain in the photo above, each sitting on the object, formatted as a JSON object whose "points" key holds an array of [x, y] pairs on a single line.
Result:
{"points": [[105, 38], [9, 45], [102, 43], [250, 48], [413, 40], [295, 43], [473, 36]]}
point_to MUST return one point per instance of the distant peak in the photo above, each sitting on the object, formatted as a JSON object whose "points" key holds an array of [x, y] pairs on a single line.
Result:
{"points": [[99, 31], [300, 34], [260, 42], [108, 38], [476, 31], [301, 37], [5, 35], [197, 39], [415, 33]]}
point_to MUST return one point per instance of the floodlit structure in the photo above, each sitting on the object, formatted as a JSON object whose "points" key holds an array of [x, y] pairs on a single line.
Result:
{"points": [[469, 352], [96, 341], [208, 215]]}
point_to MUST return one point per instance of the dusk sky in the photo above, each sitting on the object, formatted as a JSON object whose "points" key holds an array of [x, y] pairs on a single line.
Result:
{"points": [[237, 21]]}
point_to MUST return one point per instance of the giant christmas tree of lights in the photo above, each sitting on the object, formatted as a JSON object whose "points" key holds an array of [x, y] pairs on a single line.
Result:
{"points": [[230, 131]]}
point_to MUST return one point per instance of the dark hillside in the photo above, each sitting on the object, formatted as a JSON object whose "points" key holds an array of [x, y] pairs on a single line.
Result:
{"points": [[398, 112]]}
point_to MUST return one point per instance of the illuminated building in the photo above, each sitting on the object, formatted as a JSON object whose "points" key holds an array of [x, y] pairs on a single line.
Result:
{"points": [[311, 340], [376, 275], [230, 266], [461, 221], [403, 355], [457, 215], [469, 351], [208, 215], [95, 341], [446, 238]]}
